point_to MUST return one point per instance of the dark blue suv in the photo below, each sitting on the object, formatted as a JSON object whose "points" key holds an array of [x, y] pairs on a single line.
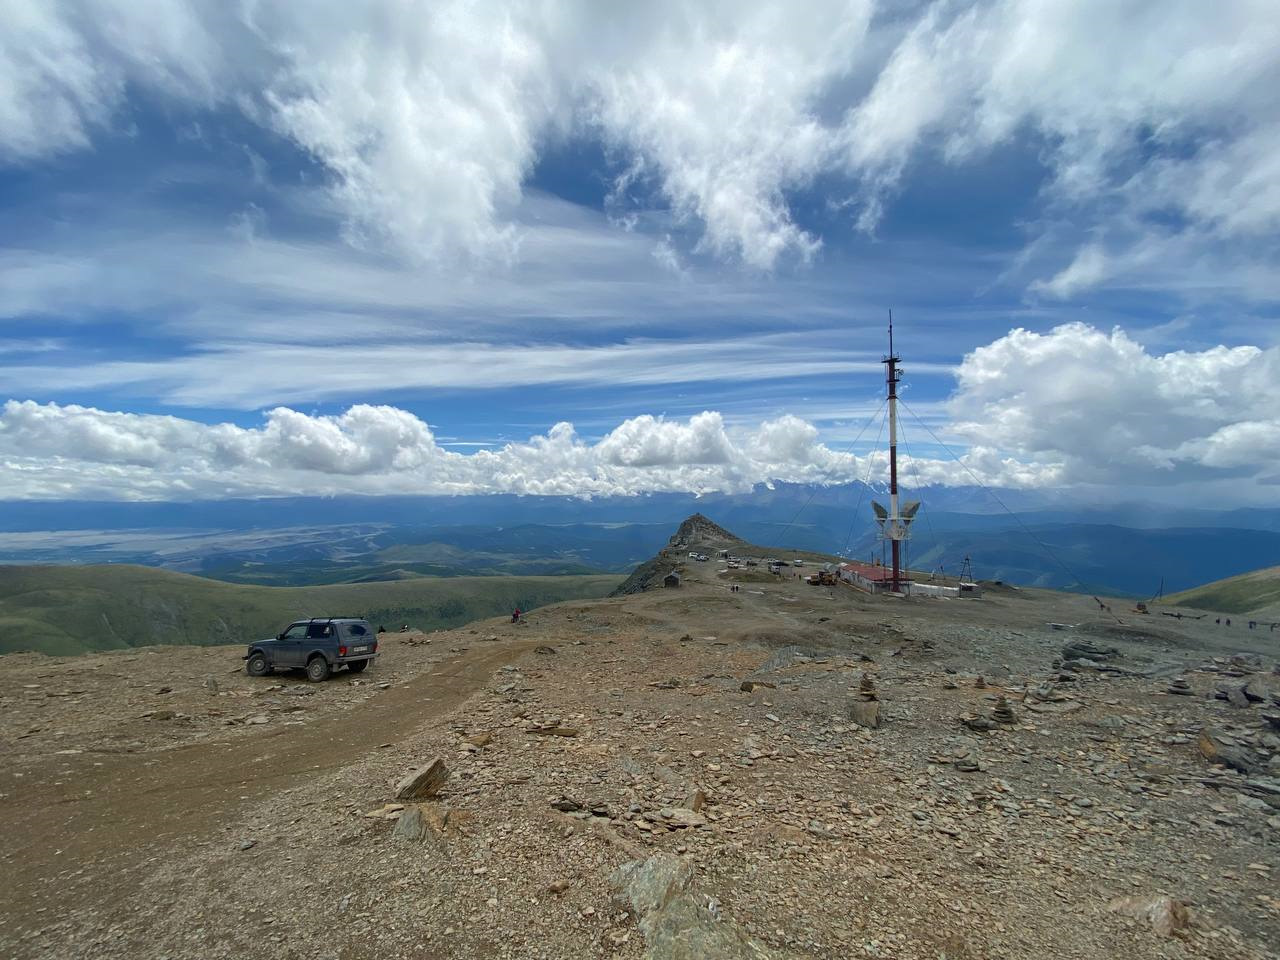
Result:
{"points": [[319, 646]]}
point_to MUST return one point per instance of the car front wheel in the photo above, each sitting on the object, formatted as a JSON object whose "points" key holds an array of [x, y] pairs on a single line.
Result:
{"points": [[257, 666], [317, 669]]}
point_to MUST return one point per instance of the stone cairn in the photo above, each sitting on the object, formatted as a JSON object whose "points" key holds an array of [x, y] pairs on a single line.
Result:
{"points": [[1179, 686], [979, 684], [864, 705], [867, 689], [1003, 711]]}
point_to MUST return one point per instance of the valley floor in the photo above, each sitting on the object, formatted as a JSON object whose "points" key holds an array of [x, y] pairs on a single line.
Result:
{"points": [[159, 803]]}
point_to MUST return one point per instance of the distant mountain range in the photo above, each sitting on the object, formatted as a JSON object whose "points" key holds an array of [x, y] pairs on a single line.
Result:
{"points": [[779, 503], [1127, 549]]}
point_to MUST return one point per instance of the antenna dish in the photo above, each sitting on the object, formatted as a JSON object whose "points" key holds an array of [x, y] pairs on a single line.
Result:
{"points": [[881, 514]]}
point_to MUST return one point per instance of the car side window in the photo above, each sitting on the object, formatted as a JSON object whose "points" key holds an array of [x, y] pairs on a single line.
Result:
{"points": [[318, 631], [296, 632]]}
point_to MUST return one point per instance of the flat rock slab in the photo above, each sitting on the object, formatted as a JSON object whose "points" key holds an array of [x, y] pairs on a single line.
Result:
{"points": [[555, 731], [388, 811], [1052, 706], [423, 783]]}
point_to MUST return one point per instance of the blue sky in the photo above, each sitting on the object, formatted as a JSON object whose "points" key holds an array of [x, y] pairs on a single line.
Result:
{"points": [[678, 228]]}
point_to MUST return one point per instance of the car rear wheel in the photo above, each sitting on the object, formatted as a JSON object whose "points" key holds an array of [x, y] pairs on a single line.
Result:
{"points": [[317, 669], [257, 665], [357, 666]]}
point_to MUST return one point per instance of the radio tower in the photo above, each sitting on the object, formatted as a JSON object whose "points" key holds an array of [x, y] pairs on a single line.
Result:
{"points": [[895, 525]]}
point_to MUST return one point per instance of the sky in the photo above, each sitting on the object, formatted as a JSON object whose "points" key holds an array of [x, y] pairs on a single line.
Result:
{"points": [[267, 248]]}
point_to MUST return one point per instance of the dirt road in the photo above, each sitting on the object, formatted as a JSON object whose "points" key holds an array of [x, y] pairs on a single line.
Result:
{"points": [[82, 824]]}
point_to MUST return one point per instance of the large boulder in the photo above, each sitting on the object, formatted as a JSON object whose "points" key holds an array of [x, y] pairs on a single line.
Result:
{"points": [[676, 924], [1165, 914], [1087, 650], [1262, 689], [424, 783], [865, 713], [649, 885], [1218, 747], [418, 823]]}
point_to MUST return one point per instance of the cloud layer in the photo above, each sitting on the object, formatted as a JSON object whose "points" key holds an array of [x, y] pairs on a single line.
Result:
{"points": [[51, 451], [1076, 407], [1156, 123]]}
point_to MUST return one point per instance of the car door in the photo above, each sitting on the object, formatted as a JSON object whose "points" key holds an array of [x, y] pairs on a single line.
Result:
{"points": [[319, 637], [290, 646]]}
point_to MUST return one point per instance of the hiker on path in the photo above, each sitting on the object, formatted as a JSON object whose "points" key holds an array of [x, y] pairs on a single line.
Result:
{"points": [[515, 615]]}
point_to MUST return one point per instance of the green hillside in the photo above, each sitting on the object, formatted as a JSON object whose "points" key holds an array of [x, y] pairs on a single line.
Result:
{"points": [[1257, 593], [65, 610]]}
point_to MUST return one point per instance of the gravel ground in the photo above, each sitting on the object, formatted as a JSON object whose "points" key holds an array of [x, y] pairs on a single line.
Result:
{"points": [[598, 734]]}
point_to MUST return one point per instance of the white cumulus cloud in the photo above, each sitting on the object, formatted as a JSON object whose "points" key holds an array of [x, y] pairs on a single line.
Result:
{"points": [[431, 117], [66, 451], [1110, 411]]}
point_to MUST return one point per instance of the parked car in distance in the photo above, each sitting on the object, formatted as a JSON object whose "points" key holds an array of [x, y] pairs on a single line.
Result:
{"points": [[319, 646]]}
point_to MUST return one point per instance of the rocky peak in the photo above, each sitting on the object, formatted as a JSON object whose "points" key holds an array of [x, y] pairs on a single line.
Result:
{"points": [[699, 527], [698, 531]]}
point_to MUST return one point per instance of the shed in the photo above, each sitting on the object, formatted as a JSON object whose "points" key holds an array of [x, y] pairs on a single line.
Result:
{"points": [[873, 579], [672, 579]]}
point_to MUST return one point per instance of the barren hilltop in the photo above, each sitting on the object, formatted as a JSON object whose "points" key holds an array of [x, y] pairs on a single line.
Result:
{"points": [[777, 770]]}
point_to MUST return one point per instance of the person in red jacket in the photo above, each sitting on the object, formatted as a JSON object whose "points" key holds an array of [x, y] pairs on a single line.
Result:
{"points": [[515, 616]]}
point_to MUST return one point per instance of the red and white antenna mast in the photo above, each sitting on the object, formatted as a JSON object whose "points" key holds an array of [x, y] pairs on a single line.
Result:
{"points": [[895, 524], [895, 530]]}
